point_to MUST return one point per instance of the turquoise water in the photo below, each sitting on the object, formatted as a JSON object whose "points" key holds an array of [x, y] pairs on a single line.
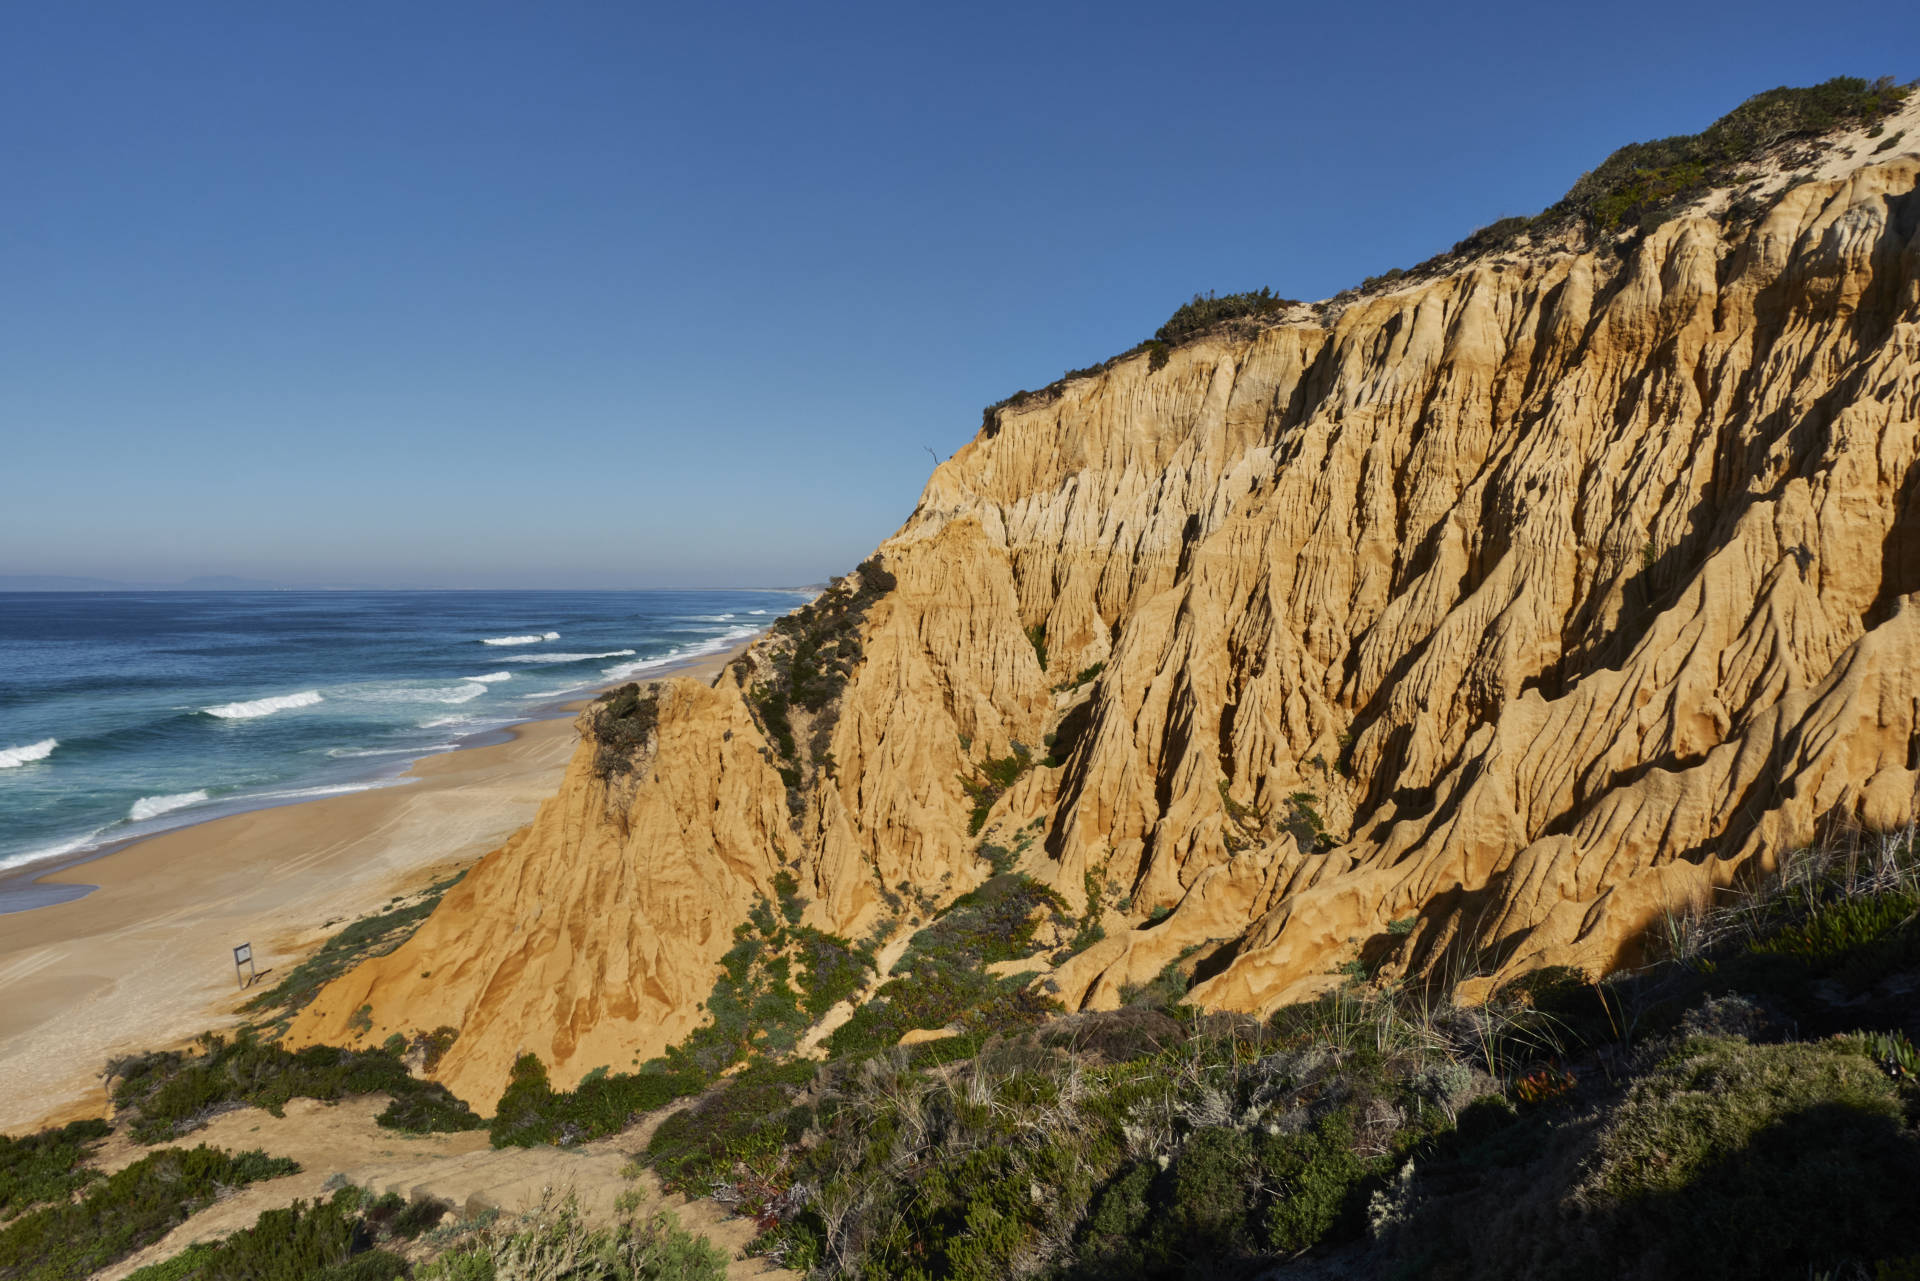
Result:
{"points": [[124, 714]]}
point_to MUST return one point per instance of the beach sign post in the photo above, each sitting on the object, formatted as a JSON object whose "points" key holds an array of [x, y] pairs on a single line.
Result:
{"points": [[243, 955]]}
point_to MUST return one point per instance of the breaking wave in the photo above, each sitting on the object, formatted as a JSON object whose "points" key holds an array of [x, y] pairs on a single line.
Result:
{"points": [[247, 711], [154, 806], [680, 654], [350, 753], [490, 678], [521, 640], [14, 757], [569, 658]]}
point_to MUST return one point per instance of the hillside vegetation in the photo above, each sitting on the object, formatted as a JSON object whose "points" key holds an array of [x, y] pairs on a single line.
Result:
{"points": [[1429, 794]]}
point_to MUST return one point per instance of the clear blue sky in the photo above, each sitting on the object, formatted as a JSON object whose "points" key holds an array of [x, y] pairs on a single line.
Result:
{"points": [[627, 295]]}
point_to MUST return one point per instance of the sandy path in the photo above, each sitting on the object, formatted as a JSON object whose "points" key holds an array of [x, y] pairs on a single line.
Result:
{"points": [[144, 962], [330, 1140]]}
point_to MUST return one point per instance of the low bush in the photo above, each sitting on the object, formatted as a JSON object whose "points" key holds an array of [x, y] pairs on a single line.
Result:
{"points": [[340, 1239], [1207, 310], [171, 1092], [531, 1113], [1641, 181], [737, 1124], [622, 722], [990, 781], [1723, 1159], [126, 1211], [1081, 677], [553, 1241], [823, 646], [46, 1166], [941, 979]]}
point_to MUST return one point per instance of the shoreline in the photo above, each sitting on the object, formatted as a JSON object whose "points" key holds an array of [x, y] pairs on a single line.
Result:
{"points": [[143, 960], [29, 887]]}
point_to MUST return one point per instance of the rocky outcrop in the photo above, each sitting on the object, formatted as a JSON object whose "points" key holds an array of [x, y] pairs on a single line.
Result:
{"points": [[1464, 628]]}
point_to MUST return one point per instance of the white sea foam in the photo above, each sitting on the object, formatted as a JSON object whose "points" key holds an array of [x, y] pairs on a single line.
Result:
{"points": [[263, 706], [355, 753], [439, 694], [313, 793], [756, 611], [441, 722], [566, 658], [521, 640], [679, 654], [619, 670], [14, 757], [490, 678], [73, 846], [154, 806]]}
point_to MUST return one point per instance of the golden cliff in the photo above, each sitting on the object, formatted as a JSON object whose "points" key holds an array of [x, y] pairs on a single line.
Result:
{"points": [[1465, 627]]}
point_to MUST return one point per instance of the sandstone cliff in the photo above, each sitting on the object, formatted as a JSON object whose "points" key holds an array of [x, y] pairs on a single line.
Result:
{"points": [[1460, 628]]}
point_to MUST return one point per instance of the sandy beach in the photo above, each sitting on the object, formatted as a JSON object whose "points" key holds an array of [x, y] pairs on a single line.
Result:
{"points": [[145, 961]]}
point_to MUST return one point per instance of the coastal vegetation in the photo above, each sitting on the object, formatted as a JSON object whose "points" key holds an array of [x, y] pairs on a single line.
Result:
{"points": [[1635, 188], [71, 1239], [1744, 1102], [777, 979], [167, 1093], [349, 1237], [47, 1166], [623, 723], [1562, 1128], [555, 1241], [820, 648]]}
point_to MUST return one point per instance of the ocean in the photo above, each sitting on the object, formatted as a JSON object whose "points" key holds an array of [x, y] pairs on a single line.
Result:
{"points": [[124, 714]]}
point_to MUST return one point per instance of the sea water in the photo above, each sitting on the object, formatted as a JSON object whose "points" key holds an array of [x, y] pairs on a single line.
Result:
{"points": [[123, 714]]}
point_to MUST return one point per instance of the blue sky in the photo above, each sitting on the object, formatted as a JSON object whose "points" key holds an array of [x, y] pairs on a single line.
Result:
{"points": [[627, 295]]}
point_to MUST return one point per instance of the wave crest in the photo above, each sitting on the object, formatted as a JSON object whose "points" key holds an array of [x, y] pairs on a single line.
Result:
{"points": [[154, 806], [569, 658], [248, 710], [490, 678], [521, 640], [14, 757], [683, 653]]}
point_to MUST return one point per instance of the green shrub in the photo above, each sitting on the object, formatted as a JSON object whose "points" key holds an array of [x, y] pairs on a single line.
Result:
{"points": [[777, 979], [334, 1240], [1494, 236], [622, 721], [1081, 677], [171, 1092], [46, 1166], [1857, 940], [531, 1113], [125, 1211], [809, 672], [1723, 1160], [1037, 637], [743, 1120], [1642, 180], [1317, 1181], [990, 781], [1191, 319], [940, 980], [554, 1242]]}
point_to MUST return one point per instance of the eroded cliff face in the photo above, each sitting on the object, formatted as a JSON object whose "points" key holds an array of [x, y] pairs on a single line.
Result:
{"points": [[1514, 608]]}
